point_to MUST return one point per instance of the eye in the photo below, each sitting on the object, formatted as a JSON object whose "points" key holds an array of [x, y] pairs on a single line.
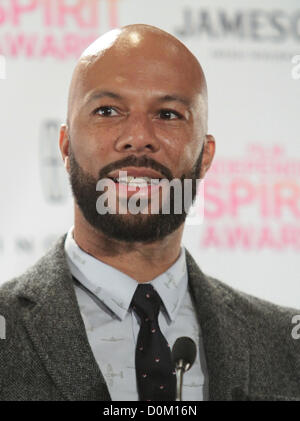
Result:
{"points": [[106, 111], [169, 115]]}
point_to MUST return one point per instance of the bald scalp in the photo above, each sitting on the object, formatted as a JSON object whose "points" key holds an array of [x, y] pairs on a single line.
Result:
{"points": [[129, 42]]}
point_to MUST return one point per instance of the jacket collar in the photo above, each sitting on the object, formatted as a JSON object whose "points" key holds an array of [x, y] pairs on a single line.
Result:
{"points": [[51, 315], [224, 334]]}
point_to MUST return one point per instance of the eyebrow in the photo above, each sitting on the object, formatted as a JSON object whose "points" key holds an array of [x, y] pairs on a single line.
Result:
{"points": [[165, 98], [172, 98], [100, 94]]}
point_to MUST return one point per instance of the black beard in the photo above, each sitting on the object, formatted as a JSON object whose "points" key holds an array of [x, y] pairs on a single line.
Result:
{"points": [[145, 228]]}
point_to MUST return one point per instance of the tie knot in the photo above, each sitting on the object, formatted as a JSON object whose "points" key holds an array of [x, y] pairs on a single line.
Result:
{"points": [[146, 302]]}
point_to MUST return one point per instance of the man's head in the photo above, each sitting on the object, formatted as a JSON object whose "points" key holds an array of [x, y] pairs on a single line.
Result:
{"points": [[138, 103]]}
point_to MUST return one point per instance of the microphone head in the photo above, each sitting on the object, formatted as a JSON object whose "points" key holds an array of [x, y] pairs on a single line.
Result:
{"points": [[184, 349]]}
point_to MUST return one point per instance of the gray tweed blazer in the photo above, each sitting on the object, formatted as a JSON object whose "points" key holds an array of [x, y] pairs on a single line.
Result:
{"points": [[249, 350]]}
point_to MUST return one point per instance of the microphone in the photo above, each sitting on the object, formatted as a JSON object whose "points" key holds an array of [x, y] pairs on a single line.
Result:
{"points": [[183, 355]]}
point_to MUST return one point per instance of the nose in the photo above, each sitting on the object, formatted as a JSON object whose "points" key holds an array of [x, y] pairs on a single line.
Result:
{"points": [[137, 135]]}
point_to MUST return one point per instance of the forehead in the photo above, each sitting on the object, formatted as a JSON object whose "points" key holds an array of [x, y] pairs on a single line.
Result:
{"points": [[157, 71]]}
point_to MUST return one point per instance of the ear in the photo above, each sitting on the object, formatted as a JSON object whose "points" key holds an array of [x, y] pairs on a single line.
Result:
{"points": [[64, 145], [208, 154]]}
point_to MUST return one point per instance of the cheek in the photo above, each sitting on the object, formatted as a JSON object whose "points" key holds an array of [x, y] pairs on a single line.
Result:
{"points": [[187, 159], [182, 151], [173, 140], [93, 140], [90, 150]]}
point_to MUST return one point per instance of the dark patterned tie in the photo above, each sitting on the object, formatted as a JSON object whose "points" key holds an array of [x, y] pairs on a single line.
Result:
{"points": [[155, 371]]}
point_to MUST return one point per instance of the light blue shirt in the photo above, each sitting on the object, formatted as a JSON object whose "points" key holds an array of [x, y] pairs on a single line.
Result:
{"points": [[104, 295]]}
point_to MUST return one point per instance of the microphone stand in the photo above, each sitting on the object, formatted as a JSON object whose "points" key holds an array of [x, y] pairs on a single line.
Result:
{"points": [[181, 368]]}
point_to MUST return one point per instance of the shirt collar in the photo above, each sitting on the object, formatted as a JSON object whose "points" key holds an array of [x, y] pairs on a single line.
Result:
{"points": [[116, 289]]}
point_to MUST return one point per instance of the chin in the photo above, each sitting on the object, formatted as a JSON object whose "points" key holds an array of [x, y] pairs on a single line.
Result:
{"points": [[140, 228]]}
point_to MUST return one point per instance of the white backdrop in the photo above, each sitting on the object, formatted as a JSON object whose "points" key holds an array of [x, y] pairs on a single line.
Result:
{"points": [[250, 52]]}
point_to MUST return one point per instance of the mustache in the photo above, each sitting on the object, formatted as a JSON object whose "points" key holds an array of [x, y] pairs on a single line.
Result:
{"points": [[134, 161]]}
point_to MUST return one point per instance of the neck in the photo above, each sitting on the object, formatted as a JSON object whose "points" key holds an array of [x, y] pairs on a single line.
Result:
{"points": [[142, 262]]}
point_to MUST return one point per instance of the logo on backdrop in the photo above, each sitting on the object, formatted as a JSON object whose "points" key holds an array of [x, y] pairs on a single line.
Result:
{"points": [[259, 25], [67, 27], [254, 28], [252, 202], [53, 175]]}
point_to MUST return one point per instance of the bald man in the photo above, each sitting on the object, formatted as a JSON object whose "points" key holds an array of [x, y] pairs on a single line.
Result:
{"points": [[96, 318]]}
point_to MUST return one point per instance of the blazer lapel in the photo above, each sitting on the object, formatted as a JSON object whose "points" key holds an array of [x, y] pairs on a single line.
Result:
{"points": [[224, 336], [51, 314]]}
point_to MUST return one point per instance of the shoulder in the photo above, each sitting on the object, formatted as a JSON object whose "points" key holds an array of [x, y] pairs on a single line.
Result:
{"points": [[271, 331], [36, 284], [260, 316], [252, 307], [8, 323], [8, 297], [34, 281]]}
